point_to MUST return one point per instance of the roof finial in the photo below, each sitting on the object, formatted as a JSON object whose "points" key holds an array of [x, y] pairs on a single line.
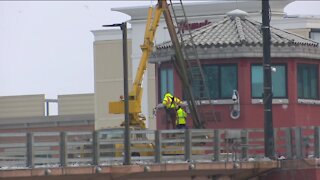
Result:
{"points": [[237, 13]]}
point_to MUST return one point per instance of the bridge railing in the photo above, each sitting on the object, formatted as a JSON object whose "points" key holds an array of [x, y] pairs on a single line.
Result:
{"points": [[106, 147], [13, 150], [43, 148]]}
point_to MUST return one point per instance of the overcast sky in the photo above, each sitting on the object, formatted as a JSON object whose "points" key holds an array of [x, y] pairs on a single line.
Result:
{"points": [[47, 48]]}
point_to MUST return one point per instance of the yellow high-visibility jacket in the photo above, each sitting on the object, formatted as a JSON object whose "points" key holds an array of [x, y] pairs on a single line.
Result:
{"points": [[181, 116], [170, 101]]}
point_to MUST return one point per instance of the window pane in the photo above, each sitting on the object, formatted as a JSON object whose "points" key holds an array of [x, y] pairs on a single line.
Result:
{"points": [[300, 81], [170, 85], [313, 82], [308, 81], [256, 81], [306, 87], [196, 83], [166, 81], [279, 81], [212, 74], [228, 81], [221, 80], [315, 36], [163, 84], [279, 87]]}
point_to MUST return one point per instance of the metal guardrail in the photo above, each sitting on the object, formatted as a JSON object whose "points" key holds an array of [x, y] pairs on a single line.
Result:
{"points": [[105, 147]]}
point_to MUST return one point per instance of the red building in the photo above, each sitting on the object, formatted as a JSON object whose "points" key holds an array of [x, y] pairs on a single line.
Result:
{"points": [[230, 52]]}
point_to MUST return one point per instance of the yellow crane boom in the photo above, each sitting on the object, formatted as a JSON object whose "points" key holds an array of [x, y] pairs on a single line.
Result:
{"points": [[135, 94]]}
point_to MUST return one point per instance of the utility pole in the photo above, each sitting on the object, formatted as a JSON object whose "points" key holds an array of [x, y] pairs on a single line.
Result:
{"points": [[127, 153], [267, 83]]}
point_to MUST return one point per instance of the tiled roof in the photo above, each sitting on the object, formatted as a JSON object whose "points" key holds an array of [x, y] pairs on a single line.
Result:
{"points": [[237, 30]]}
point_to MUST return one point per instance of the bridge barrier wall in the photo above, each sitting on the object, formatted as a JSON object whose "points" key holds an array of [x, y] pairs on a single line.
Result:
{"points": [[106, 147]]}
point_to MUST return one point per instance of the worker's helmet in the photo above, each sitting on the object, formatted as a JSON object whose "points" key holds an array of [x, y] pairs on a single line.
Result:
{"points": [[168, 94]]}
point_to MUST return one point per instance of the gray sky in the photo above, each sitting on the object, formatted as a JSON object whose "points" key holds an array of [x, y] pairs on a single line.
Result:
{"points": [[46, 46]]}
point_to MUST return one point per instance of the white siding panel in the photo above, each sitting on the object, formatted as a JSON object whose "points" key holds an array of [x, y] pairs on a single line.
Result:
{"points": [[76, 104], [108, 74], [22, 106], [152, 97]]}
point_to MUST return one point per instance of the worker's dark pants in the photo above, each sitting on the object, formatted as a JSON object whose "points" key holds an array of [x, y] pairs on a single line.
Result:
{"points": [[181, 126], [171, 117]]}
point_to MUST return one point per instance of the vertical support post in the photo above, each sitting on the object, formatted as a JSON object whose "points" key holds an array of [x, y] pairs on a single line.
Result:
{"points": [[187, 144], [216, 144], [96, 147], [158, 153], [63, 149], [317, 141], [47, 108], [127, 153], [244, 143], [30, 142], [298, 143], [267, 87], [288, 143], [275, 130], [127, 144]]}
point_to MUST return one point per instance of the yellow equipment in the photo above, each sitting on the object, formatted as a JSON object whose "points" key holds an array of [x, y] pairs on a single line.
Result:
{"points": [[135, 95], [137, 120]]}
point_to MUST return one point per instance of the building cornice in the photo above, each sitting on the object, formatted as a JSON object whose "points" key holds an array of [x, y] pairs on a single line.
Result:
{"points": [[297, 23], [213, 53], [109, 34], [212, 8]]}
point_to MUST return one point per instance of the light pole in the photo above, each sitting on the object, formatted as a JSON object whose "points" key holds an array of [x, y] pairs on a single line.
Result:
{"points": [[269, 150], [127, 154]]}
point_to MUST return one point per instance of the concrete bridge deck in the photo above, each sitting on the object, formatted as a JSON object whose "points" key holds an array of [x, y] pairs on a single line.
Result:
{"points": [[177, 171]]}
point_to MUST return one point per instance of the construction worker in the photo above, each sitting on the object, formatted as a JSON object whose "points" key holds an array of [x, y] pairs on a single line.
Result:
{"points": [[170, 103], [181, 118]]}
